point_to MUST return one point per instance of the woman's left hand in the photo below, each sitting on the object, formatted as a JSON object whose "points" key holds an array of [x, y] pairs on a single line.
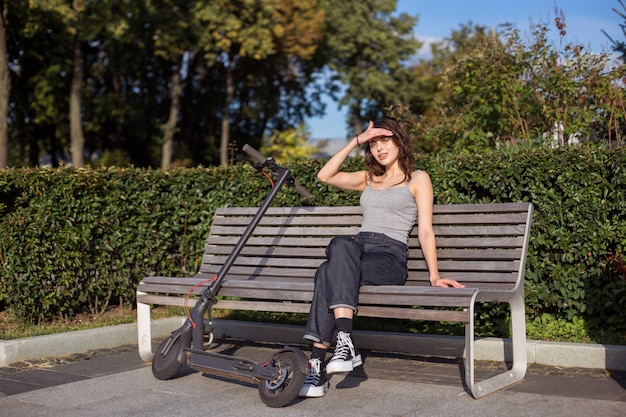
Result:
{"points": [[447, 283]]}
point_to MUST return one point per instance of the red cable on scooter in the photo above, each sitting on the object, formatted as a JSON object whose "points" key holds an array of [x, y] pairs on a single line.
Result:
{"points": [[193, 323]]}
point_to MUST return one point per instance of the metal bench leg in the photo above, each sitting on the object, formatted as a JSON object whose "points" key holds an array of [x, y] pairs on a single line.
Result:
{"points": [[518, 337], [144, 331]]}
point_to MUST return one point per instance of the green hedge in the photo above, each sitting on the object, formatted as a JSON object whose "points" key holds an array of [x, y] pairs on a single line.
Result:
{"points": [[74, 241], [579, 196]]}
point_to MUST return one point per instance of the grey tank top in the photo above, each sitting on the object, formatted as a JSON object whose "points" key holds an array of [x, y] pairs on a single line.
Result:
{"points": [[392, 212]]}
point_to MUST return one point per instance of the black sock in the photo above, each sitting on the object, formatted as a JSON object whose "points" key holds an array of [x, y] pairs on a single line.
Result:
{"points": [[344, 325], [318, 353]]}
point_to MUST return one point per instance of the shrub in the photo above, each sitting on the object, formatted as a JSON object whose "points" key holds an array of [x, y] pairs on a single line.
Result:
{"points": [[74, 241]]}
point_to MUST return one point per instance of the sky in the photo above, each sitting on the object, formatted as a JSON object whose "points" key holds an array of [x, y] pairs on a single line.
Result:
{"points": [[584, 19]]}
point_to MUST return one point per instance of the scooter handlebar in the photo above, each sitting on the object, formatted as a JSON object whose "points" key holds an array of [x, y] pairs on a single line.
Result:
{"points": [[301, 190], [254, 153], [259, 157]]}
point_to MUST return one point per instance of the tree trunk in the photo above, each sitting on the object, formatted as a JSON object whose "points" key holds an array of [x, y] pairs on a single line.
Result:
{"points": [[225, 136], [167, 152], [5, 88], [357, 124], [76, 129]]}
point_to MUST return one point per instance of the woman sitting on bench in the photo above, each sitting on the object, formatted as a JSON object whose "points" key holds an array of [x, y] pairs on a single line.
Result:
{"points": [[393, 193]]}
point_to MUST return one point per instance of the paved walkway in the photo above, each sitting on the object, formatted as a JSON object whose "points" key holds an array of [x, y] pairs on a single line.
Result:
{"points": [[114, 382]]}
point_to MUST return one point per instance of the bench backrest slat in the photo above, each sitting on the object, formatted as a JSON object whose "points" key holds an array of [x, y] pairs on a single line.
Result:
{"points": [[317, 252]]}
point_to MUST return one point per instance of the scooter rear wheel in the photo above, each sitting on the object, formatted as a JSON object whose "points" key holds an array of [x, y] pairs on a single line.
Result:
{"points": [[281, 391], [165, 364]]}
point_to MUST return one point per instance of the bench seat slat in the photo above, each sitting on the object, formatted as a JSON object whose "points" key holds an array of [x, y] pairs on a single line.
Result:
{"points": [[473, 266], [365, 311], [368, 299], [415, 276], [161, 300], [257, 305], [167, 284], [148, 283], [482, 254], [415, 314], [370, 289]]}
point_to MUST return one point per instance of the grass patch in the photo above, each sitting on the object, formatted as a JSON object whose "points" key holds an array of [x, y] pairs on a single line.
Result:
{"points": [[12, 327]]}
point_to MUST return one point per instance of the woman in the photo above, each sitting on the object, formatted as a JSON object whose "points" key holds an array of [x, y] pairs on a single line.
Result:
{"points": [[393, 193]]}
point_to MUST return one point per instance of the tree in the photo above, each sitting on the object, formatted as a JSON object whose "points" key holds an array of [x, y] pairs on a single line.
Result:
{"points": [[619, 46], [85, 21], [501, 90], [366, 47], [256, 30], [77, 137], [288, 145], [148, 92], [126, 87], [476, 75], [5, 88], [72, 14], [176, 39], [430, 75], [38, 56]]}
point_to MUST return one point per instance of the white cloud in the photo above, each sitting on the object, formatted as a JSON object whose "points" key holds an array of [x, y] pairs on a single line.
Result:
{"points": [[424, 53]]}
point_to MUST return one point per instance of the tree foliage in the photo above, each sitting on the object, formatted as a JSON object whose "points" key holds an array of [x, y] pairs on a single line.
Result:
{"points": [[155, 84], [289, 145], [619, 45], [366, 45], [5, 87], [497, 90], [169, 83]]}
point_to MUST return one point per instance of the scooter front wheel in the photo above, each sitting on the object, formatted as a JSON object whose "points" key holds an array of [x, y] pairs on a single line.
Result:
{"points": [[282, 390], [165, 364]]}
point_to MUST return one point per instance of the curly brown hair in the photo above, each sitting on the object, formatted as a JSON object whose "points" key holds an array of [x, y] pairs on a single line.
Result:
{"points": [[406, 159]]}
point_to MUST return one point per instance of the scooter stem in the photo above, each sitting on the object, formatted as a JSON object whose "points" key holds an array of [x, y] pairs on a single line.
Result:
{"points": [[207, 299]]}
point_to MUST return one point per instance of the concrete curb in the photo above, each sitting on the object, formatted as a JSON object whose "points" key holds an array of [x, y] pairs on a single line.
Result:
{"points": [[63, 344], [568, 355]]}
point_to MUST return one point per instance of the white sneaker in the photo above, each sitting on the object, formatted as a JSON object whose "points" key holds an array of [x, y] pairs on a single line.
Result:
{"points": [[315, 383], [346, 357]]}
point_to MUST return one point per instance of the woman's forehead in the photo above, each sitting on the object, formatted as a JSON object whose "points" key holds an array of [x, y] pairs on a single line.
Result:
{"points": [[379, 138]]}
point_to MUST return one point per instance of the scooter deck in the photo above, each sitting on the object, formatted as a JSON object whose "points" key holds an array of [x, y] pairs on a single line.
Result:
{"points": [[230, 366]]}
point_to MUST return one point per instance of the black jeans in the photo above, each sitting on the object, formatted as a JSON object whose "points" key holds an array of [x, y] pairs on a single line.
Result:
{"points": [[366, 259]]}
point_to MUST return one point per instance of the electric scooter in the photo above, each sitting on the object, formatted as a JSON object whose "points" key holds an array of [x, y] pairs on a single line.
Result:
{"points": [[281, 376]]}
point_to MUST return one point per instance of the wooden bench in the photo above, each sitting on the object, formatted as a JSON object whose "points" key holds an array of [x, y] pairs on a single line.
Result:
{"points": [[483, 246]]}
